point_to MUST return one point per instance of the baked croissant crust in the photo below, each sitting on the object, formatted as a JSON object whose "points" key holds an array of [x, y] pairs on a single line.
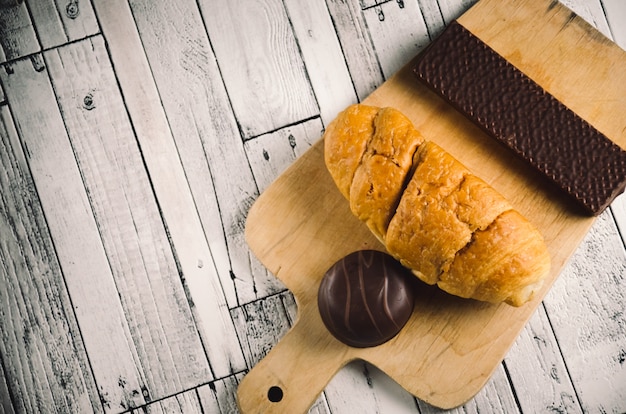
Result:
{"points": [[432, 214]]}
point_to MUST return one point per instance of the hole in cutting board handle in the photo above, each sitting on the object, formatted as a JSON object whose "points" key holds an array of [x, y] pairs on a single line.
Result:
{"points": [[275, 394]]}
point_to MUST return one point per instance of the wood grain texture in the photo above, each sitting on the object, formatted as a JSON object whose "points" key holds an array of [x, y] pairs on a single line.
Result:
{"points": [[262, 323], [398, 32], [6, 405], [537, 371], [618, 208], [61, 21], [171, 188], [73, 228], [209, 145], [344, 47], [17, 33], [127, 215], [451, 10], [358, 50], [44, 363], [183, 403], [586, 309], [271, 154], [260, 63], [216, 397], [219, 396], [321, 50], [433, 17], [362, 388]]}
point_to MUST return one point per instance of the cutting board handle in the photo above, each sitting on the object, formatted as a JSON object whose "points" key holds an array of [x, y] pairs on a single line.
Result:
{"points": [[295, 371]]}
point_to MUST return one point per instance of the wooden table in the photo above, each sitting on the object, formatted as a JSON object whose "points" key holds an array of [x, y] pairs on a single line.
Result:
{"points": [[134, 139]]}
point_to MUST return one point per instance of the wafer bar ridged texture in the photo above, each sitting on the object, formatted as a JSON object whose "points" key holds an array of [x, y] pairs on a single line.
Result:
{"points": [[523, 116]]}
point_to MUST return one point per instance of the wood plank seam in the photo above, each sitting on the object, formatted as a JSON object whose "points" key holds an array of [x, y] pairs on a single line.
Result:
{"points": [[569, 375], [613, 210], [210, 384], [279, 128], [512, 384], [32, 55], [170, 184], [49, 262], [434, 20], [616, 218]]}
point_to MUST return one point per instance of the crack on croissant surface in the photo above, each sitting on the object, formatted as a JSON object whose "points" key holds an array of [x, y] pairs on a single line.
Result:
{"points": [[452, 286], [380, 177]]}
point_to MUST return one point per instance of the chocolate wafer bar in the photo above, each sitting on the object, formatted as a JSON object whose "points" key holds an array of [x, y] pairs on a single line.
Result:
{"points": [[524, 117]]}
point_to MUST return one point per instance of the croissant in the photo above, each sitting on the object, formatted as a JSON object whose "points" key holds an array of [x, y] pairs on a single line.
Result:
{"points": [[445, 224]]}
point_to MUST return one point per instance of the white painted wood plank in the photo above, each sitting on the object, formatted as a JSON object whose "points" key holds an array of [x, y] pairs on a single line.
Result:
{"points": [[260, 63], [171, 187], [17, 34], [586, 308], [6, 406], [398, 33], [618, 208], [261, 324], [10, 3], [164, 334], [184, 403], [354, 37], [75, 234], [41, 350], [615, 11], [320, 406], [360, 387], [433, 17], [325, 64], [189, 101], [538, 372], [207, 139], [451, 10], [61, 21], [220, 396], [271, 154]]}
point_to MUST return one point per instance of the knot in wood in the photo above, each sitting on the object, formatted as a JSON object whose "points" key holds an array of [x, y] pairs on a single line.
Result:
{"points": [[88, 102], [72, 10]]}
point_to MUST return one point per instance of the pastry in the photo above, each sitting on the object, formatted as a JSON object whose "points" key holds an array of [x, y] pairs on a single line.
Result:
{"points": [[449, 227]]}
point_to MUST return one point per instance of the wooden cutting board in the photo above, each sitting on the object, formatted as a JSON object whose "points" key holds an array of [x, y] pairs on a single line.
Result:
{"points": [[301, 224]]}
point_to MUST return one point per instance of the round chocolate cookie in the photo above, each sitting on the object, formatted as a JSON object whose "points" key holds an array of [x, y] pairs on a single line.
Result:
{"points": [[365, 298]]}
